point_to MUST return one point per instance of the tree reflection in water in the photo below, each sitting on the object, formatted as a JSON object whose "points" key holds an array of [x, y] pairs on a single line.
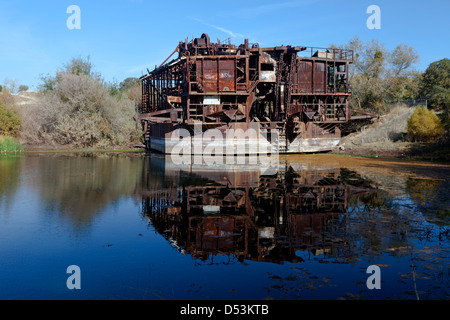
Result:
{"points": [[10, 169]]}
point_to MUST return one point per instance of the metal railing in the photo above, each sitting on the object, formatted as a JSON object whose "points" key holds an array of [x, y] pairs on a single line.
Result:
{"points": [[326, 53]]}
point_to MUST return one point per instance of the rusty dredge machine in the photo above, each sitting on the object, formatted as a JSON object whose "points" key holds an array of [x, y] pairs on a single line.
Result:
{"points": [[299, 93]]}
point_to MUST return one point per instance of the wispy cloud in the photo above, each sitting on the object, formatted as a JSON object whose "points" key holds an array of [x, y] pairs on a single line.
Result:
{"points": [[140, 69], [253, 11], [224, 30]]}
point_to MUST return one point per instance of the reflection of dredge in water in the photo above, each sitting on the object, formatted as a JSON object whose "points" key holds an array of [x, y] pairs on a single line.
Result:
{"points": [[253, 217]]}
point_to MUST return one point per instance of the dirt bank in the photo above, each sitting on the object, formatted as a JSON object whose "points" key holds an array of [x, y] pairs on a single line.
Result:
{"points": [[387, 138]]}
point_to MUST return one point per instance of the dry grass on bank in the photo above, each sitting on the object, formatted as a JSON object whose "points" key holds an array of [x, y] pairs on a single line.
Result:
{"points": [[385, 131], [384, 137], [387, 137]]}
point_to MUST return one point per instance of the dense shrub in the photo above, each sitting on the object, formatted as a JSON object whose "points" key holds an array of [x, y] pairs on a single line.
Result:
{"points": [[76, 108], [10, 123], [424, 125], [23, 87], [7, 98]]}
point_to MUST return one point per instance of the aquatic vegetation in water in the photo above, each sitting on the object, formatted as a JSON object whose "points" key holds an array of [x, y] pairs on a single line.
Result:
{"points": [[9, 144]]}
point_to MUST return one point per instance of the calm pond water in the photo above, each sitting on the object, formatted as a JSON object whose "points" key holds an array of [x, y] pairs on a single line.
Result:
{"points": [[140, 227]]}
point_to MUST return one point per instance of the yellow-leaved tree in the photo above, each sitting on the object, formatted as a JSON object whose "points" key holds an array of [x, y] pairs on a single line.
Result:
{"points": [[10, 122], [424, 125]]}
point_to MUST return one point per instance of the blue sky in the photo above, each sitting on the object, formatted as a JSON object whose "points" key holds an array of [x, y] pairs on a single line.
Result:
{"points": [[124, 37]]}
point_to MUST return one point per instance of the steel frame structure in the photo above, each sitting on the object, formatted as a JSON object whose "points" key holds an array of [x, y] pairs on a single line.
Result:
{"points": [[303, 92]]}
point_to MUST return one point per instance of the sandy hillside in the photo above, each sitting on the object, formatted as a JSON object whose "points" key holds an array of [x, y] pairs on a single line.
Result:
{"points": [[25, 98], [388, 132]]}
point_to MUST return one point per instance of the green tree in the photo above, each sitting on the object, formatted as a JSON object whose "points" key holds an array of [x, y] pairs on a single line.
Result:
{"points": [[23, 87], [435, 84], [79, 66], [114, 88], [128, 83]]}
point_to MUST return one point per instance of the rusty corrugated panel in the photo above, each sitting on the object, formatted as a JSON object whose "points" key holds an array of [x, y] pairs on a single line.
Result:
{"points": [[227, 75], [210, 75], [304, 76], [319, 76]]}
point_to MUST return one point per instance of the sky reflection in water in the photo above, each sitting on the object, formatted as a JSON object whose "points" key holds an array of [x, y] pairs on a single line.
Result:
{"points": [[140, 227]]}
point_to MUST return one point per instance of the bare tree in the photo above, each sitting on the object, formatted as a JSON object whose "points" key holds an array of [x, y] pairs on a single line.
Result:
{"points": [[378, 75], [402, 58], [11, 84]]}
